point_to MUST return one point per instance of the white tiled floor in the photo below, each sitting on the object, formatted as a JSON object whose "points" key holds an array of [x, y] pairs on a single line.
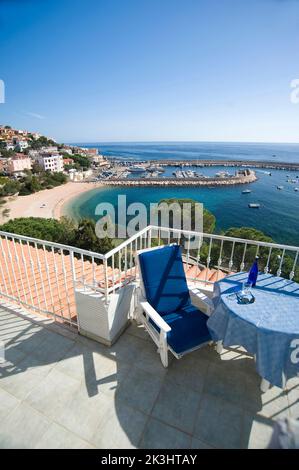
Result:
{"points": [[70, 392]]}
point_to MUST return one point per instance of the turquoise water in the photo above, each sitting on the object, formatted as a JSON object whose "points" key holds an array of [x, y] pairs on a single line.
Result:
{"points": [[278, 215]]}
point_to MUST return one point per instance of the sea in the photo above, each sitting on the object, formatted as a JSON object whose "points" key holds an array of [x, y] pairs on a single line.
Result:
{"points": [[278, 215]]}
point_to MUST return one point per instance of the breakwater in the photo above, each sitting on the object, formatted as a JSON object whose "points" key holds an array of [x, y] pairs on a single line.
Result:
{"points": [[249, 176]]}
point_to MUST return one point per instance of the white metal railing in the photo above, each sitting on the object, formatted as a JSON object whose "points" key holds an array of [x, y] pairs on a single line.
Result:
{"points": [[43, 276], [213, 255]]}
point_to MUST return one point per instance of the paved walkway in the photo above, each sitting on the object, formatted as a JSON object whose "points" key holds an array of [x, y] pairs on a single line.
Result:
{"points": [[61, 391]]}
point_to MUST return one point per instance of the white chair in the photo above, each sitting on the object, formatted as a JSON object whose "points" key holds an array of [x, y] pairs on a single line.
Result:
{"points": [[166, 310]]}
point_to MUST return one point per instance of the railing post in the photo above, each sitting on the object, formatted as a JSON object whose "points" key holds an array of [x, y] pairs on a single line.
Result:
{"points": [[106, 280], [149, 239]]}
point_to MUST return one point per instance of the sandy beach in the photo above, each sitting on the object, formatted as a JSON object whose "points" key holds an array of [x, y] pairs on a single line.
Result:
{"points": [[52, 199]]}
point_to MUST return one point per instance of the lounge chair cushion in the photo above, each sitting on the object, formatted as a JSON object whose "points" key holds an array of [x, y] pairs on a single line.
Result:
{"points": [[188, 329], [164, 279]]}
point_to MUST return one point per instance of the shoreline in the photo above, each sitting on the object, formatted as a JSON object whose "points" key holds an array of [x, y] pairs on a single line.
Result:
{"points": [[47, 203]]}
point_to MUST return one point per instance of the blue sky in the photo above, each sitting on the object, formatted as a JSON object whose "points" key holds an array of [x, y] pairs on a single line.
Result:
{"points": [[151, 70]]}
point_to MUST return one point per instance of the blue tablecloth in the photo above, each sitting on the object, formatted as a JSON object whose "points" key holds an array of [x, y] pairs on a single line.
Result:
{"points": [[268, 328]]}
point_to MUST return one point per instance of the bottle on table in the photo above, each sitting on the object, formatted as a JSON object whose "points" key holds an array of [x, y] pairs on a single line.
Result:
{"points": [[253, 273]]}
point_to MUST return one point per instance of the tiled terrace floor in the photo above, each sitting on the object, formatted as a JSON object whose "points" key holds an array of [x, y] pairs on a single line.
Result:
{"points": [[61, 391]]}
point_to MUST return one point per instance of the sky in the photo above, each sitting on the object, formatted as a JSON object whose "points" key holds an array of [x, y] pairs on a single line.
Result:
{"points": [[151, 70]]}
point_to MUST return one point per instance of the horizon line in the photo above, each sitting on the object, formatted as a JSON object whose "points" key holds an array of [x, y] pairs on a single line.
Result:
{"points": [[178, 142]]}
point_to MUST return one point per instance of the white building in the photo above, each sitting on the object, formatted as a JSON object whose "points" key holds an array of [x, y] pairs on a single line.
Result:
{"points": [[99, 160], [52, 149], [51, 162], [67, 150], [20, 144], [76, 175], [33, 153], [10, 146]]}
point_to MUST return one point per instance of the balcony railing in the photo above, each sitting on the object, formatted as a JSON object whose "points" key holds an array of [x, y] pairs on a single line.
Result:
{"points": [[42, 276], [207, 257]]}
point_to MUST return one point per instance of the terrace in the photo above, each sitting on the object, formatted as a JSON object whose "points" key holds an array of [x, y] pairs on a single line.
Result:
{"points": [[61, 389]]}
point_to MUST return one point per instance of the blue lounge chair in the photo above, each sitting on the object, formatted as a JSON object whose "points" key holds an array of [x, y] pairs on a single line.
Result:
{"points": [[166, 309]]}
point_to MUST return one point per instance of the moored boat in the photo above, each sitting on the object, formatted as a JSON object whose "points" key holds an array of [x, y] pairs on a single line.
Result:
{"points": [[254, 205]]}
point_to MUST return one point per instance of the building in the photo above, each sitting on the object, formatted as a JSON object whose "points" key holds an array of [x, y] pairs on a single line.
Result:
{"points": [[68, 161], [51, 162], [20, 144], [67, 150], [33, 153], [18, 164], [87, 152], [3, 164], [51, 149], [77, 175], [10, 146], [99, 160], [36, 135]]}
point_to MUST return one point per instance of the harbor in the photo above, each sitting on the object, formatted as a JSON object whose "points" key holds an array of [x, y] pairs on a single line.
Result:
{"points": [[184, 179], [268, 165]]}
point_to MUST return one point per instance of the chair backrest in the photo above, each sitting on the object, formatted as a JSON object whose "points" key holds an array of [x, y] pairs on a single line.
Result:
{"points": [[163, 278]]}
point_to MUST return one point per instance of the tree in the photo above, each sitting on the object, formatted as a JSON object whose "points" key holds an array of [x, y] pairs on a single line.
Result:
{"points": [[10, 188], [7, 153], [41, 142], [87, 239], [37, 227], [209, 220]]}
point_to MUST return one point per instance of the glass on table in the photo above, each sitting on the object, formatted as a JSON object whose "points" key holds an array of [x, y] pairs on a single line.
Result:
{"points": [[246, 288]]}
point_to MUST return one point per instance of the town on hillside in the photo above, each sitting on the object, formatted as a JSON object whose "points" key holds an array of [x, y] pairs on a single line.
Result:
{"points": [[25, 154]]}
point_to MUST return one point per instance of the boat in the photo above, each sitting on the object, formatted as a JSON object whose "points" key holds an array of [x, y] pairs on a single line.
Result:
{"points": [[246, 191], [137, 169], [296, 189], [156, 169], [253, 205], [279, 187], [222, 174]]}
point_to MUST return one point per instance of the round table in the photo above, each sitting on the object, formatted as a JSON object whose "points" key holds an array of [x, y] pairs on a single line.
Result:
{"points": [[267, 328]]}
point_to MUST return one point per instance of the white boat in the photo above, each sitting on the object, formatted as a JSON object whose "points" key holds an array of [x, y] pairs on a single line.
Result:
{"points": [[246, 191], [280, 187], [222, 174], [137, 169], [254, 205], [296, 189], [157, 169]]}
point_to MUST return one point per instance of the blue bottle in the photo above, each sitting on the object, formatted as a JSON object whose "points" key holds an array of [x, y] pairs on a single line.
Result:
{"points": [[253, 273]]}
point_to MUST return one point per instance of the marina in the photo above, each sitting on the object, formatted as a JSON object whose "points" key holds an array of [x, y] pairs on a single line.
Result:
{"points": [[182, 178]]}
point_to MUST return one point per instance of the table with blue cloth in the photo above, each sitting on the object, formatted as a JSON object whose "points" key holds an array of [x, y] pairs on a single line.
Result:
{"points": [[267, 328]]}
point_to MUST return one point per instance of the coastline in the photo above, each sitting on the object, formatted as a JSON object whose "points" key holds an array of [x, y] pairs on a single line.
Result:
{"points": [[53, 200]]}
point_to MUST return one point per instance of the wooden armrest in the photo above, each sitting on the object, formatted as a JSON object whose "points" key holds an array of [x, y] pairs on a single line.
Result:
{"points": [[154, 315]]}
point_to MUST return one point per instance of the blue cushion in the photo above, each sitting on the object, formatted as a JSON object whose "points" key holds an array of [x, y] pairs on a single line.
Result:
{"points": [[164, 279], [188, 329]]}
